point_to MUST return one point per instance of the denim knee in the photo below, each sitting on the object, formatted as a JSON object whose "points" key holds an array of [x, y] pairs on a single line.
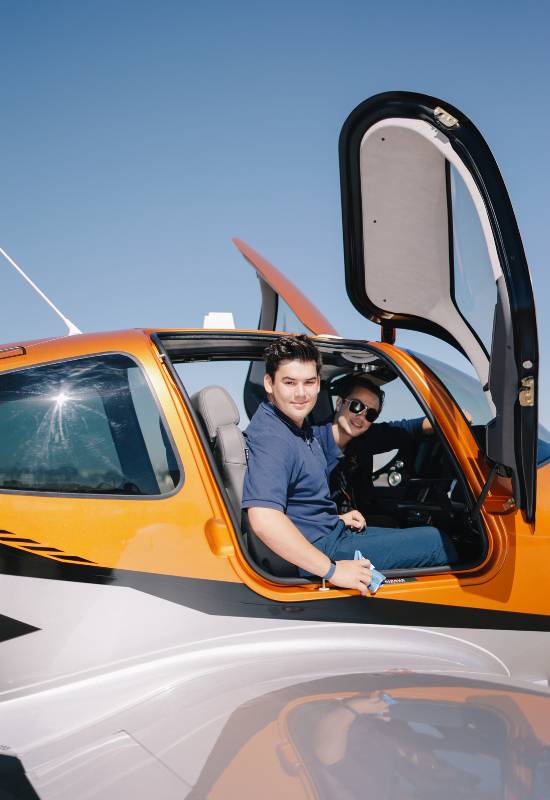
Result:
{"points": [[406, 548], [390, 548]]}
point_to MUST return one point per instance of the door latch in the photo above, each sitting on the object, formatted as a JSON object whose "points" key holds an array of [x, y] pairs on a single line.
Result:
{"points": [[527, 392]]}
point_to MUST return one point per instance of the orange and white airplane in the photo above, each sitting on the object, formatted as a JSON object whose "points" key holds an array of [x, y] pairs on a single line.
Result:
{"points": [[138, 617]]}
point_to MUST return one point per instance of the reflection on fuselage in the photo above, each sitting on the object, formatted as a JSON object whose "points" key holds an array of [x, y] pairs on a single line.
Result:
{"points": [[394, 737]]}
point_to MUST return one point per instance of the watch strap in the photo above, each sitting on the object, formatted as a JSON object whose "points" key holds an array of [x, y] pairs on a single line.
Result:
{"points": [[330, 571]]}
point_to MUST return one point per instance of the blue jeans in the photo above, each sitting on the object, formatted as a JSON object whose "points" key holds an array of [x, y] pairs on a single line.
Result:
{"points": [[389, 548]]}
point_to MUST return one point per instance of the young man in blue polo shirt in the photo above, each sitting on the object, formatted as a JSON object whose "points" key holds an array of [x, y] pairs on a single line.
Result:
{"points": [[286, 488]]}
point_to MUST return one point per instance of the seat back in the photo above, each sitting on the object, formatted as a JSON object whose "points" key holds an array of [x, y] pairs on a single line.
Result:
{"points": [[220, 418]]}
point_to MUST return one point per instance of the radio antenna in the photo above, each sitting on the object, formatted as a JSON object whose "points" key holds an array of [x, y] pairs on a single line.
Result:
{"points": [[70, 325]]}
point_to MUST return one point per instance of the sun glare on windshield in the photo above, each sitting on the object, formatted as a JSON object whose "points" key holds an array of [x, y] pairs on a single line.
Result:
{"points": [[61, 398]]}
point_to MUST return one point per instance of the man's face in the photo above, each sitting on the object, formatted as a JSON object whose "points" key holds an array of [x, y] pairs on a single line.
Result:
{"points": [[355, 424], [294, 389]]}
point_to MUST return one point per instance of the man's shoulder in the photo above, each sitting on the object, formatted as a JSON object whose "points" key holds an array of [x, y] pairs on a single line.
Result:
{"points": [[323, 428], [323, 433]]}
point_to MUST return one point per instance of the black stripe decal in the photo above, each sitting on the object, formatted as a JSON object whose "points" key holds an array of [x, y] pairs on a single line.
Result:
{"points": [[16, 539], [11, 628], [237, 600], [80, 560], [13, 779]]}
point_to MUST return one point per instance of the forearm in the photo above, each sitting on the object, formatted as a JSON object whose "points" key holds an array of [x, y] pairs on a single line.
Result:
{"points": [[410, 427], [280, 534], [331, 736]]}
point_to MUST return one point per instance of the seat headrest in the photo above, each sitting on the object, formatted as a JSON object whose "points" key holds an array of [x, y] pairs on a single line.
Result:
{"points": [[216, 408]]}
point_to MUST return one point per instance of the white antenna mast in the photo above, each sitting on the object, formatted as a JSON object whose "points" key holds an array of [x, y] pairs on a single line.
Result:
{"points": [[70, 325]]}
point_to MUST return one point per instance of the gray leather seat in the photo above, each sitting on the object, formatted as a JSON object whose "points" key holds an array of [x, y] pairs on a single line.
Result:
{"points": [[220, 419]]}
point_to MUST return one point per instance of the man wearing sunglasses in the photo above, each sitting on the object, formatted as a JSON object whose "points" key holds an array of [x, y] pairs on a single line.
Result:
{"points": [[286, 488], [358, 406]]}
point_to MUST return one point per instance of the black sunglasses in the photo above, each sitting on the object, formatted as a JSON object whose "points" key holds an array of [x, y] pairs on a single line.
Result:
{"points": [[357, 407]]}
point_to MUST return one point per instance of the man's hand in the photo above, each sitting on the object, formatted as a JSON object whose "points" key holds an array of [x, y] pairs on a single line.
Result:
{"points": [[353, 519], [353, 575], [372, 703], [279, 533]]}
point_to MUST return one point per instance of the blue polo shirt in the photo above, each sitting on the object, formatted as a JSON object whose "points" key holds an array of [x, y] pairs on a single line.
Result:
{"points": [[288, 469]]}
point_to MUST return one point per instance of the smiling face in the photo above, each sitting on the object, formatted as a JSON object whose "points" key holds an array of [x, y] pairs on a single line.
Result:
{"points": [[350, 425], [294, 389]]}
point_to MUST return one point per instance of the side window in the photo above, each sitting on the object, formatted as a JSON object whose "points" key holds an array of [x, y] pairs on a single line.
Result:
{"points": [[87, 425]]}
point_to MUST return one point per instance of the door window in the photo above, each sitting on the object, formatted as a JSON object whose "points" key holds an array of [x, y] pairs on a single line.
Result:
{"points": [[475, 288], [88, 425]]}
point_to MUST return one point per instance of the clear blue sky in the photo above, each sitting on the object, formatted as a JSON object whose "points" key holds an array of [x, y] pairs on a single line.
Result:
{"points": [[138, 137]]}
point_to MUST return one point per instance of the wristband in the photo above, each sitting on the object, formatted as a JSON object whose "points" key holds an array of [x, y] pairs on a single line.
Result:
{"points": [[331, 571]]}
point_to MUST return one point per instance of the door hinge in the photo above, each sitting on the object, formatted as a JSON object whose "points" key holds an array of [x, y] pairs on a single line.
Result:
{"points": [[527, 392]]}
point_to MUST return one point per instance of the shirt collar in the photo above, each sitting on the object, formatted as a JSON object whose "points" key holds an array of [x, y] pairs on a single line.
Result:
{"points": [[304, 432]]}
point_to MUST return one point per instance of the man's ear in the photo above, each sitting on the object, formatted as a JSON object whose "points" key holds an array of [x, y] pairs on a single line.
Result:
{"points": [[268, 384], [338, 403]]}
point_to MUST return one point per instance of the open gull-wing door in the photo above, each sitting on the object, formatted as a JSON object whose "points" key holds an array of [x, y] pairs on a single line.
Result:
{"points": [[431, 243]]}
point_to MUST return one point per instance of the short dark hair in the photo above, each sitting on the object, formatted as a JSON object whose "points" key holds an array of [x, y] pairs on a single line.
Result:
{"points": [[291, 348], [346, 386]]}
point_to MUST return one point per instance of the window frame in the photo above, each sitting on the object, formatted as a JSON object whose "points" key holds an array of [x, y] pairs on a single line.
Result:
{"points": [[219, 345]]}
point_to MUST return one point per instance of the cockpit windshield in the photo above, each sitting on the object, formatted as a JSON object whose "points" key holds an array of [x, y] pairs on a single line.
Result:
{"points": [[472, 401]]}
